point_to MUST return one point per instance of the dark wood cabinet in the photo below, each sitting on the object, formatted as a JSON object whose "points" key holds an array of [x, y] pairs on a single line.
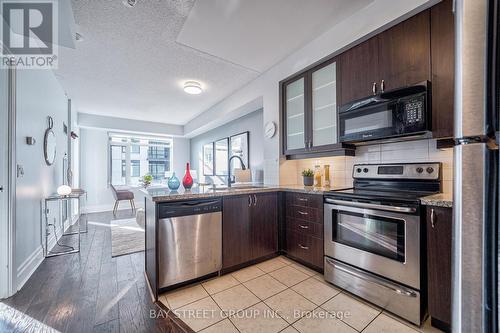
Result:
{"points": [[249, 228], [404, 52], [304, 228], [443, 68], [397, 57], [359, 71], [264, 225], [439, 232], [236, 241]]}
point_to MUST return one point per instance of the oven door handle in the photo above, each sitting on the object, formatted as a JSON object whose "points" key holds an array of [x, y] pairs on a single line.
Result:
{"points": [[372, 206], [395, 288]]}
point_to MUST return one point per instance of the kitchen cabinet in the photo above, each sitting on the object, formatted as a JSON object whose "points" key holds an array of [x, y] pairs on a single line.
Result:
{"points": [[359, 74], [397, 57], [249, 228], [304, 228], [295, 119], [309, 112], [236, 241], [404, 53], [443, 68], [439, 231], [264, 225]]}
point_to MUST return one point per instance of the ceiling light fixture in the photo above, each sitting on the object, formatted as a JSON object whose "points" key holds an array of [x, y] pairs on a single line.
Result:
{"points": [[129, 3], [193, 88]]}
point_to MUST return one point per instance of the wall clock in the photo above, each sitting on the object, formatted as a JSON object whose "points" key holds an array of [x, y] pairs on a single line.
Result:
{"points": [[270, 129]]}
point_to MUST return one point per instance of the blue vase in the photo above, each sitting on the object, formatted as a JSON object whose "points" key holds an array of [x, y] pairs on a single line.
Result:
{"points": [[173, 182]]}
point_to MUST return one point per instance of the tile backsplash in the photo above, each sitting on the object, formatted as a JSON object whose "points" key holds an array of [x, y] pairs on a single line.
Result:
{"points": [[402, 152]]}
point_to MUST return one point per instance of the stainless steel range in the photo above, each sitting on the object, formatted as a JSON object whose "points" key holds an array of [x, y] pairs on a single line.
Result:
{"points": [[374, 235]]}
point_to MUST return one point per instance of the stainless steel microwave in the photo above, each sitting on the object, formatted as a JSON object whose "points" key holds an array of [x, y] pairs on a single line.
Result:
{"points": [[396, 113]]}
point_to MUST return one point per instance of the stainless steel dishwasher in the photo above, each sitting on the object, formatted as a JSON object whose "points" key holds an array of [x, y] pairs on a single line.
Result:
{"points": [[189, 240]]}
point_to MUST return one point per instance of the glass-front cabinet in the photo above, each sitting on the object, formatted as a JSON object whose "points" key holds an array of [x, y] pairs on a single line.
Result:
{"points": [[324, 106], [309, 112], [295, 114]]}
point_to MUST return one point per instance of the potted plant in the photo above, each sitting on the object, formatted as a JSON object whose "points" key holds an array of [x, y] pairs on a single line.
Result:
{"points": [[308, 175], [147, 180]]}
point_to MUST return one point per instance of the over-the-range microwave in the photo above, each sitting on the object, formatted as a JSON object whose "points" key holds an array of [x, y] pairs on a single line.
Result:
{"points": [[396, 113]]}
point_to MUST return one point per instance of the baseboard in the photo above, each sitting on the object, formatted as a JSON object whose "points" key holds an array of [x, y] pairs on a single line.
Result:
{"points": [[28, 267], [107, 208]]}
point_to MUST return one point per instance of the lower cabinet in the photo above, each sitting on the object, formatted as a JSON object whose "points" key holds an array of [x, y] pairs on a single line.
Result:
{"points": [[439, 230], [249, 228], [304, 228]]}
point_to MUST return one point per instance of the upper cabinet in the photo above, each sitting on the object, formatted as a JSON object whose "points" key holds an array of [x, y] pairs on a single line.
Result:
{"points": [[324, 106], [309, 107], [393, 59], [359, 74], [443, 68], [295, 109], [421, 48], [404, 53]]}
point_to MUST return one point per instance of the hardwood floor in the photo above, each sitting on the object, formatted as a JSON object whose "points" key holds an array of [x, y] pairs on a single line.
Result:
{"points": [[87, 292]]}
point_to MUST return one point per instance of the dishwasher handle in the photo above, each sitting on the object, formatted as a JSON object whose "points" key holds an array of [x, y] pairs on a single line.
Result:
{"points": [[189, 207]]}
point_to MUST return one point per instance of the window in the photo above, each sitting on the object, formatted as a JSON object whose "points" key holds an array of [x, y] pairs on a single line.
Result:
{"points": [[135, 170], [133, 157]]}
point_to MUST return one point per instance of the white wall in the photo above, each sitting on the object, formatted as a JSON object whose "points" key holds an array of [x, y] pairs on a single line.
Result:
{"points": [[252, 123], [94, 168], [265, 87], [39, 95]]}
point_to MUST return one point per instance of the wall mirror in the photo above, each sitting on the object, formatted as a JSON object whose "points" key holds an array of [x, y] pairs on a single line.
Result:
{"points": [[239, 147], [49, 143], [208, 159], [221, 156]]}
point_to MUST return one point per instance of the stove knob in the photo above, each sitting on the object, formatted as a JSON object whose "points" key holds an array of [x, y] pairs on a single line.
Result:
{"points": [[365, 170], [358, 170], [430, 170], [420, 170]]}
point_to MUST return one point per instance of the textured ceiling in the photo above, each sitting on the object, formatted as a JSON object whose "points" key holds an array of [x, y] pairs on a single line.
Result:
{"points": [[259, 33], [131, 65]]}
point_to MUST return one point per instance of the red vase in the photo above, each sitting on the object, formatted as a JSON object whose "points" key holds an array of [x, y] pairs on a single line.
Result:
{"points": [[187, 181]]}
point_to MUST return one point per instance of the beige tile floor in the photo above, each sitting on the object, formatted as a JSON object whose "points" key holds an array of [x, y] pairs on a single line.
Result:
{"points": [[279, 295]]}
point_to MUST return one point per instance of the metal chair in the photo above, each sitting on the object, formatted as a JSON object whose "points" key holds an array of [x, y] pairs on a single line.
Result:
{"points": [[122, 195]]}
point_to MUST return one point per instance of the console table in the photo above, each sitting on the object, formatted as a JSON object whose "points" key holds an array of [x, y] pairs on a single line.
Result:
{"points": [[76, 194]]}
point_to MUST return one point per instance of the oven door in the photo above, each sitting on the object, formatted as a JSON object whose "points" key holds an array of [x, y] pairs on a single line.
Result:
{"points": [[384, 240]]}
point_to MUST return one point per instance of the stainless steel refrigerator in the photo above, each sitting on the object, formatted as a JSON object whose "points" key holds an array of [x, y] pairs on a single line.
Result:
{"points": [[475, 226]]}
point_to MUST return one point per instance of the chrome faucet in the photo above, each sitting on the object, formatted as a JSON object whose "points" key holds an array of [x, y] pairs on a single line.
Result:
{"points": [[229, 180]]}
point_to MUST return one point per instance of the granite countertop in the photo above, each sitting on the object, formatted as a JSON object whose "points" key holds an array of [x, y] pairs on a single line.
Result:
{"points": [[439, 200], [163, 194]]}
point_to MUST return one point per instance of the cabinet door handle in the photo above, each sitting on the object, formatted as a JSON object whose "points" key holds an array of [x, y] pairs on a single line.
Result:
{"points": [[254, 200], [303, 226], [249, 200], [382, 86], [303, 247], [374, 88], [303, 213], [302, 199], [433, 218]]}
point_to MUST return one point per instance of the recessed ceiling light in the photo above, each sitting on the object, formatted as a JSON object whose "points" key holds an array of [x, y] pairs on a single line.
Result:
{"points": [[193, 88], [129, 3]]}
